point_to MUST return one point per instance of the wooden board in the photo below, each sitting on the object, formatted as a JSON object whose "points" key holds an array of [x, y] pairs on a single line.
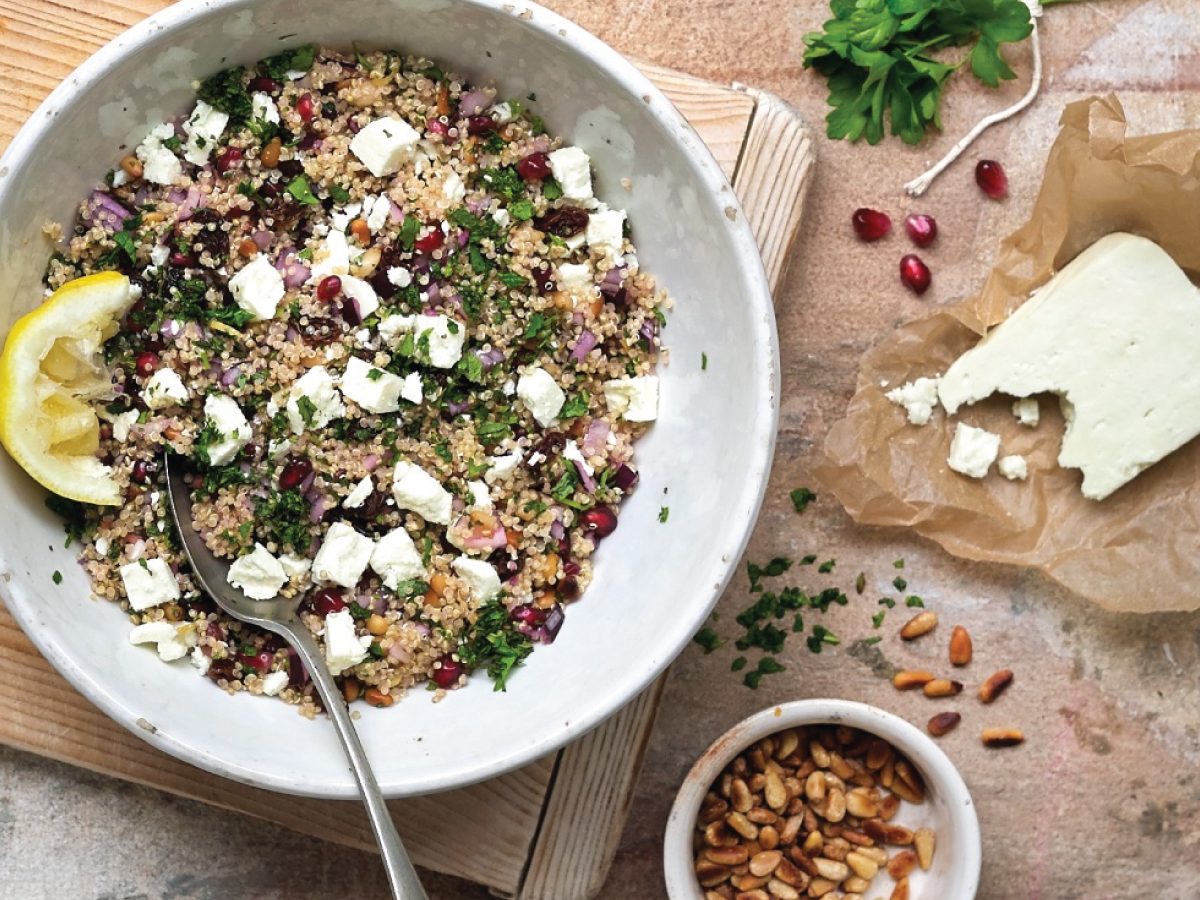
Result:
{"points": [[548, 830]]}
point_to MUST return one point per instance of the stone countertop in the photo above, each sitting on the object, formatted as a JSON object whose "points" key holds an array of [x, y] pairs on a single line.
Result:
{"points": [[1101, 802]]}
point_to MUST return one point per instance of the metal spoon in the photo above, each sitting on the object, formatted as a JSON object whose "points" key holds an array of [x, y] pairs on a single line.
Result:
{"points": [[282, 617]]}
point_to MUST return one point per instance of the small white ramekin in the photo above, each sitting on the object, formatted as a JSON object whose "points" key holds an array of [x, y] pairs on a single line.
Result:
{"points": [[948, 807]]}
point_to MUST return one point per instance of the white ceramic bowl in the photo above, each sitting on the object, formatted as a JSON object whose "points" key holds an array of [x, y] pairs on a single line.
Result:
{"points": [[948, 807], [710, 449]]}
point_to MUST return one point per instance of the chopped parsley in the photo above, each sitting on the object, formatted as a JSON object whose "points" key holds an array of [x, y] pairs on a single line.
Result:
{"points": [[826, 567], [74, 515], [820, 637], [227, 93], [301, 192], [493, 639], [307, 408], [801, 497], [663, 513], [766, 666], [773, 569], [738, 664], [707, 638], [285, 515], [877, 619], [575, 407], [56, 577], [915, 602], [299, 59], [703, 362], [899, 583]]}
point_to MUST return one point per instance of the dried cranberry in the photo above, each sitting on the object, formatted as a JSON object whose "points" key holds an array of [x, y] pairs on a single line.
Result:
{"points": [[914, 274], [183, 260], [327, 601], [447, 676], [599, 521], [209, 233], [568, 588], [264, 85], [437, 126], [563, 222], [990, 177], [480, 124], [306, 107], [291, 168], [328, 289], [432, 241], [534, 167], [543, 279], [870, 224], [294, 472], [922, 229], [146, 364]]}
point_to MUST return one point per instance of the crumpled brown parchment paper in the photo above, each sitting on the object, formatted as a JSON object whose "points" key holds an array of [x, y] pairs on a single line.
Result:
{"points": [[1138, 550]]}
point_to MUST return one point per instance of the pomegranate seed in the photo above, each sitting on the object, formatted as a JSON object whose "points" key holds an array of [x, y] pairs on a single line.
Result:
{"points": [[306, 108], [183, 260], [870, 224], [327, 600], [914, 274], [534, 167], [351, 314], [480, 124], [437, 126], [227, 160], [265, 85], [571, 568], [294, 472], [528, 615], [922, 229], [447, 676], [990, 177], [142, 471], [432, 241], [599, 521], [146, 364], [260, 662], [543, 279], [329, 288]]}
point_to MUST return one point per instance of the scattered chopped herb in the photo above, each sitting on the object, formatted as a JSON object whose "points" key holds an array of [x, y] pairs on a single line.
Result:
{"points": [[301, 192], [766, 666], [914, 601], [826, 567], [409, 229], [359, 612], [522, 210], [707, 638], [307, 408], [801, 497], [860, 583], [898, 564], [339, 194], [374, 374], [821, 636], [298, 60], [899, 583], [765, 637], [797, 624], [808, 560], [226, 92], [494, 639], [773, 569], [551, 189], [360, 59], [413, 587], [703, 362], [871, 641], [575, 407], [56, 577], [663, 513], [877, 619], [888, 602], [738, 664], [285, 516], [74, 516]]}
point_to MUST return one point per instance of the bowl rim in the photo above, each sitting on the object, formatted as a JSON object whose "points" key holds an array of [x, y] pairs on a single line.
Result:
{"points": [[915, 744], [695, 157]]}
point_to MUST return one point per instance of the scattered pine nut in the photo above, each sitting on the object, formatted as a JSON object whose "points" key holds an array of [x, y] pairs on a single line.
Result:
{"points": [[902, 864], [996, 685], [924, 841], [1002, 737], [900, 891], [922, 623], [960, 646], [911, 678], [943, 687], [943, 723]]}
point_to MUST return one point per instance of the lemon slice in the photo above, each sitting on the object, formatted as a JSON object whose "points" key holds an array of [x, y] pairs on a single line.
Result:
{"points": [[51, 369]]}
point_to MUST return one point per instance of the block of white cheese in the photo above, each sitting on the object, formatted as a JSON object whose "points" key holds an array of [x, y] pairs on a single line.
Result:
{"points": [[1115, 335]]}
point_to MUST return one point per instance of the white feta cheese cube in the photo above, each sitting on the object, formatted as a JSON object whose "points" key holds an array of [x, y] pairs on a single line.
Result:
{"points": [[200, 660], [358, 496], [396, 558], [258, 288], [1013, 467], [227, 418], [263, 108], [362, 293], [605, 233], [918, 399], [577, 280], [502, 467], [259, 574], [572, 169], [502, 217], [1027, 412], [121, 423], [343, 556], [446, 339], [453, 188], [165, 388], [385, 145], [415, 489], [380, 210], [173, 643], [634, 399], [343, 649], [295, 566], [331, 259], [412, 391], [480, 495], [375, 390], [479, 577], [541, 395], [274, 682], [203, 128], [973, 450], [159, 164], [149, 582], [399, 276], [316, 385]]}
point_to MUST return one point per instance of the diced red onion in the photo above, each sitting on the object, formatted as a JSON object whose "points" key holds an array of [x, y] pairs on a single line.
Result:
{"points": [[293, 271], [457, 407], [176, 195], [557, 531], [552, 626], [216, 631], [648, 330], [396, 653], [308, 142], [230, 375], [262, 239], [486, 541], [595, 439], [141, 195], [433, 293], [476, 205], [625, 477], [490, 358], [370, 461], [353, 125], [584, 344], [192, 199], [318, 509], [395, 213], [613, 279], [297, 674], [541, 144], [308, 481], [458, 504], [105, 211], [585, 477], [171, 328], [473, 103], [292, 334], [464, 238]]}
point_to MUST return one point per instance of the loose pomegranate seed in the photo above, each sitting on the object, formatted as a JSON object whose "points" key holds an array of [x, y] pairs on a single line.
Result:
{"points": [[571, 568], [534, 167], [480, 124], [447, 676], [329, 288], [990, 177], [870, 224], [264, 85], [227, 160], [922, 229], [432, 241], [183, 260], [915, 274], [294, 472], [146, 364], [437, 126], [141, 472], [260, 661], [306, 107], [528, 614], [327, 600], [599, 521]]}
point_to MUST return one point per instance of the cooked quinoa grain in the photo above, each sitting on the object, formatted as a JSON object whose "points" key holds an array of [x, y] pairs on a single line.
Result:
{"points": [[405, 350]]}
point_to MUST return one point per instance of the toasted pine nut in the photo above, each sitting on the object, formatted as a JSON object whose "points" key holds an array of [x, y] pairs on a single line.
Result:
{"points": [[855, 885], [760, 816], [814, 787], [819, 754], [727, 856], [819, 887], [902, 864], [774, 792], [791, 829], [836, 848], [1002, 737], [888, 834], [710, 873], [840, 767], [943, 687], [741, 797], [743, 826], [900, 891], [789, 740], [877, 855], [859, 803], [719, 834], [863, 866], [712, 812], [835, 805], [765, 862], [996, 685], [922, 623], [814, 843], [748, 882], [943, 723], [888, 807], [780, 890], [960, 646], [924, 840], [909, 679], [789, 874], [768, 837], [881, 751], [757, 894], [832, 869]]}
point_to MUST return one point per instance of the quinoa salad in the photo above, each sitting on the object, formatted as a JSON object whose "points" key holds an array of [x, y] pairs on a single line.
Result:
{"points": [[405, 351]]}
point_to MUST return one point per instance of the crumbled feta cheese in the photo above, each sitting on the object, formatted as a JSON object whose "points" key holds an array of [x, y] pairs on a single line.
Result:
{"points": [[343, 649], [385, 145], [397, 559], [576, 279], [343, 556], [399, 276], [502, 467], [102, 545], [277, 450], [416, 489], [375, 390], [480, 495], [295, 566], [358, 496], [159, 254], [229, 422], [258, 288], [634, 399], [173, 643], [149, 582], [541, 395], [203, 128], [479, 577], [446, 339], [258, 574], [572, 452], [973, 450], [317, 385], [453, 188], [413, 391], [331, 259], [571, 168], [164, 388], [361, 293], [274, 682], [502, 217], [119, 178], [503, 113], [263, 108], [605, 233], [1013, 467], [918, 399], [201, 660], [159, 164], [392, 327], [121, 423], [1027, 412], [509, 387], [537, 458], [378, 210]]}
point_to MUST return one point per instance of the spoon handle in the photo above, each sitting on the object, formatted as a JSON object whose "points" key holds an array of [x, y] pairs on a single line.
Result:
{"points": [[401, 875]]}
